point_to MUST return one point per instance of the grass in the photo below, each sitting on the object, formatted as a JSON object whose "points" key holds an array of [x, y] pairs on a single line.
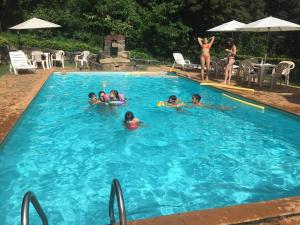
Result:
{"points": [[4, 69]]}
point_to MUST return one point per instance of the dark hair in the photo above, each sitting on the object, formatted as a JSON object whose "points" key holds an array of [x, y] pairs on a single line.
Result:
{"points": [[92, 94], [129, 116], [230, 42], [116, 93], [197, 97], [100, 92], [172, 98]]}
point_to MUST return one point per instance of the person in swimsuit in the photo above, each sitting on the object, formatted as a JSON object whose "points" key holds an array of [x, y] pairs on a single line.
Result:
{"points": [[230, 60], [130, 122], [103, 97], [196, 100], [205, 55], [93, 98], [174, 102]]}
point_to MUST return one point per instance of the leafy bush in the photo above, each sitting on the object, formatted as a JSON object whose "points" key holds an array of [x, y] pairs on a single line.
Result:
{"points": [[3, 42], [136, 54], [31, 41]]}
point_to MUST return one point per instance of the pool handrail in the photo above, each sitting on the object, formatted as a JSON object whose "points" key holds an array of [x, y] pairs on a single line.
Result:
{"points": [[30, 197], [116, 190]]}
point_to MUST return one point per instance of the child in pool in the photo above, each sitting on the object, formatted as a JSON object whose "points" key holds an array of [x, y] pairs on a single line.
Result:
{"points": [[114, 95], [174, 102], [196, 100], [93, 98], [130, 122], [103, 98]]}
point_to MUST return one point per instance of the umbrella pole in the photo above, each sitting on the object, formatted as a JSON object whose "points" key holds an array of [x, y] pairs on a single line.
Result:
{"points": [[19, 45], [268, 36]]}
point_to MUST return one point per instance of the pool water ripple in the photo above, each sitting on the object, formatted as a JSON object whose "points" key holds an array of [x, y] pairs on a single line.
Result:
{"points": [[68, 152]]}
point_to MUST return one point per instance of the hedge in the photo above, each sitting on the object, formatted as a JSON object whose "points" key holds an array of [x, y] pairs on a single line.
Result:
{"points": [[30, 41]]}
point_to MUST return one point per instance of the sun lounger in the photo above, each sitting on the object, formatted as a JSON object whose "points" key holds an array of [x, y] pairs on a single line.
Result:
{"points": [[19, 61], [185, 64]]}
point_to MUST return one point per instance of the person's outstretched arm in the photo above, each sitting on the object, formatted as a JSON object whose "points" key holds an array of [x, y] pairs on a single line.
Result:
{"points": [[212, 40], [200, 41]]}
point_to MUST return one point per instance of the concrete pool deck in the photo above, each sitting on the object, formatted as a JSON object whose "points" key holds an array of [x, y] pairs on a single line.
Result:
{"points": [[17, 91]]}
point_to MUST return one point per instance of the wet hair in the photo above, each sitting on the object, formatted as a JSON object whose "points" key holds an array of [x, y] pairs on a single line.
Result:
{"points": [[129, 116], [172, 98], [116, 93], [197, 97], [92, 94]]}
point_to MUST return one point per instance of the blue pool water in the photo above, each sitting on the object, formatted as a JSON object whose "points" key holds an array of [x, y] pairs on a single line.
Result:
{"points": [[68, 152]]}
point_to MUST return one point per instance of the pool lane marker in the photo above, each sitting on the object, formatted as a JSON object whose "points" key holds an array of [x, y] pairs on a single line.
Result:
{"points": [[244, 102], [228, 86]]}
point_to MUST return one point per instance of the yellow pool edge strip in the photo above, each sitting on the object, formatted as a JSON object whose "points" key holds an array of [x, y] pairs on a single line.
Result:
{"points": [[227, 86], [244, 102]]}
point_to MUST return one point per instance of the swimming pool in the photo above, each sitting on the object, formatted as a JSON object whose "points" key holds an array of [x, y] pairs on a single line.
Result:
{"points": [[68, 152]]}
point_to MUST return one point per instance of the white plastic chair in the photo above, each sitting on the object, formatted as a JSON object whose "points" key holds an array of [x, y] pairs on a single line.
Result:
{"points": [[58, 56], [82, 58], [37, 57], [178, 59], [19, 61], [282, 70]]}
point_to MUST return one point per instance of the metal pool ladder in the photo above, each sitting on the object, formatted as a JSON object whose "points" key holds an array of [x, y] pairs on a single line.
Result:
{"points": [[116, 190], [30, 197]]}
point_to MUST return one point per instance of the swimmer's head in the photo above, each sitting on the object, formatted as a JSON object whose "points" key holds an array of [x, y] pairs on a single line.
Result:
{"points": [[205, 40], [92, 95], [101, 95], [172, 99], [129, 116], [196, 98], [114, 94]]}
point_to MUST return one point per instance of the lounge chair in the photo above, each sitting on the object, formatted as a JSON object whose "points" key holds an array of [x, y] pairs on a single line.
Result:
{"points": [[82, 58], [58, 57], [185, 64], [19, 61], [37, 57]]}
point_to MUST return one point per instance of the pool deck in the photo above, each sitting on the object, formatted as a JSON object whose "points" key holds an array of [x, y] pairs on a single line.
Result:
{"points": [[17, 91], [281, 97]]}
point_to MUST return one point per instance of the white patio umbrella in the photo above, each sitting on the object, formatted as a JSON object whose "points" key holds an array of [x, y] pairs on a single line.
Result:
{"points": [[34, 23], [227, 27], [269, 24]]}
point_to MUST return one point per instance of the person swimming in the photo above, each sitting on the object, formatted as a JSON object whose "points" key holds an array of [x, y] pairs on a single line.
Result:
{"points": [[114, 95], [173, 101], [93, 98], [103, 97], [196, 100], [130, 121]]}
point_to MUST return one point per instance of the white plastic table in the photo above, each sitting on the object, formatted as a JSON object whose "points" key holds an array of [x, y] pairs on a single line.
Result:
{"points": [[262, 69]]}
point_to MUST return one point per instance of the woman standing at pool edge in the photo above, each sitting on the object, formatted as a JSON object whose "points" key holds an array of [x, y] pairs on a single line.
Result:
{"points": [[230, 60], [205, 55]]}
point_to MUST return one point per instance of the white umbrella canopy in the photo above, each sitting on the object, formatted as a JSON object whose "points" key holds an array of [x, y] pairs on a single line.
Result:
{"points": [[34, 23], [227, 27], [269, 24]]}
